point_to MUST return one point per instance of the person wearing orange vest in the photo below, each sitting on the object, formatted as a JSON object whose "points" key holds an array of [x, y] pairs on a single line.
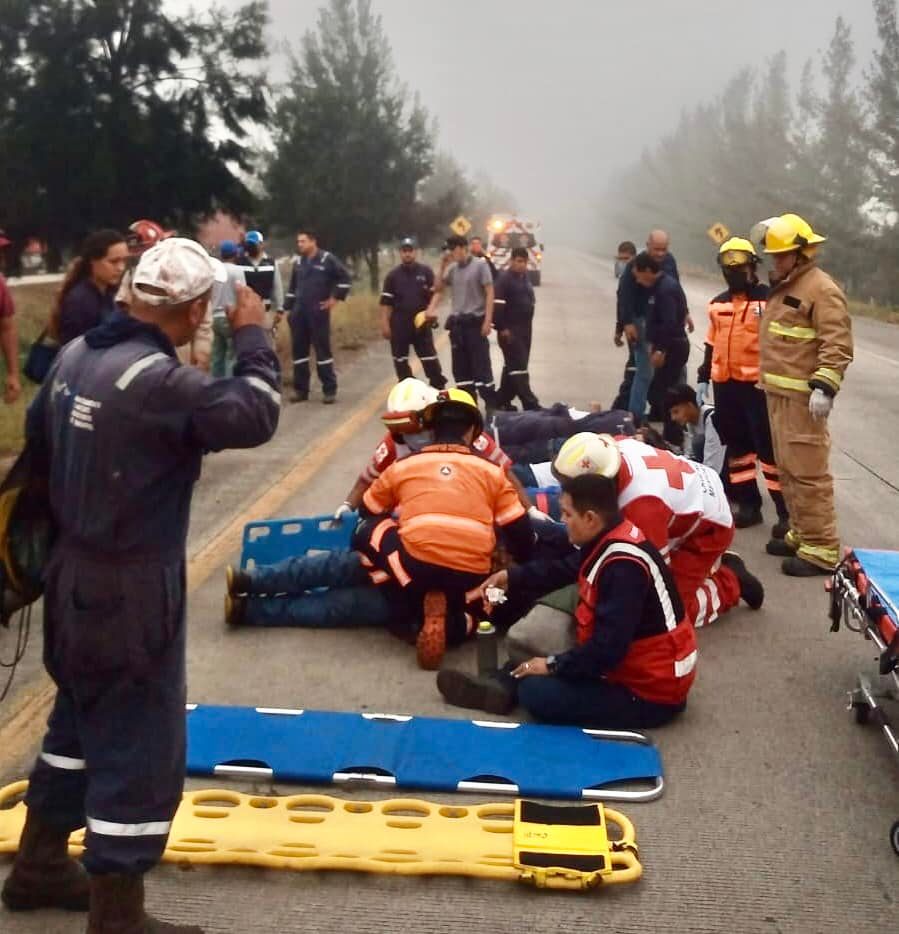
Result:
{"points": [[422, 567], [632, 659], [732, 364], [805, 349]]}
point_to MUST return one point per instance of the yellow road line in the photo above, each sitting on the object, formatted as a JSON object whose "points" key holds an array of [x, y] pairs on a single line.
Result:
{"points": [[25, 726]]}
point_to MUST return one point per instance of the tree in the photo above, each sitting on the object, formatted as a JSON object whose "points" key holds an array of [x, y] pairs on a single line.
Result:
{"points": [[350, 146], [116, 109]]}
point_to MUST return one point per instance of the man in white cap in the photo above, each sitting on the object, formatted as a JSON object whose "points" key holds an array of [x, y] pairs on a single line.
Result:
{"points": [[122, 428]]}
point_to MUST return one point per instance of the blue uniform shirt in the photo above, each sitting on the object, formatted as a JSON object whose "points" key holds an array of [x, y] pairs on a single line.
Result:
{"points": [[514, 300], [315, 279], [83, 308]]}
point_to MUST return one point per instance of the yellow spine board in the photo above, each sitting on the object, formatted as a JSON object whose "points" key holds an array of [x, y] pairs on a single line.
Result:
{"points": [[403, 836]]}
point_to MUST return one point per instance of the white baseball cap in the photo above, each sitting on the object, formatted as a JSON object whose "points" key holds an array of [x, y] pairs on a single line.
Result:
{"points": [[173, 271]]}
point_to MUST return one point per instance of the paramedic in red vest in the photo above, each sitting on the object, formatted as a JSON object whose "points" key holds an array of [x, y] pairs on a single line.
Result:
{"points": [[633, 656]]}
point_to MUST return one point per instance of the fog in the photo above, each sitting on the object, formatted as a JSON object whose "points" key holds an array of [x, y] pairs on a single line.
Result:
{"points": [[549, 97]]}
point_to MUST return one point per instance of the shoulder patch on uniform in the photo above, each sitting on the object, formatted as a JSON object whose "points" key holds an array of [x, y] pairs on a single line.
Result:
{"points": [[792, 301]]}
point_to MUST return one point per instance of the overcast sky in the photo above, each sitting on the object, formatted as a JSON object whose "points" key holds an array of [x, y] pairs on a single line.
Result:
{"points": [[548, 96]]}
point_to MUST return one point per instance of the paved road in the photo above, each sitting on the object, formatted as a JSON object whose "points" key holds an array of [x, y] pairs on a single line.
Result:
{"points": [[777, 806]]}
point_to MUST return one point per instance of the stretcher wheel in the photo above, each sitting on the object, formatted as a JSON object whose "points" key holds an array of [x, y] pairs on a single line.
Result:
{"points": [[894, 837]]}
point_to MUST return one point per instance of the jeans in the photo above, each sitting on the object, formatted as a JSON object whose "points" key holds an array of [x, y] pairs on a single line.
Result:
{"points": [[643, 373], [222, 347]]}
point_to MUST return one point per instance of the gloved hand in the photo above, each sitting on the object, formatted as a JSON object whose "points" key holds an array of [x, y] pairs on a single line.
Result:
{"points": [[344, 509], [702, 390], [537, 515], [819, 404]]}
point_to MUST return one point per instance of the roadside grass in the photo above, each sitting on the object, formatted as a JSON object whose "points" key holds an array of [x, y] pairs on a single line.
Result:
{"points": [[887, 313]]}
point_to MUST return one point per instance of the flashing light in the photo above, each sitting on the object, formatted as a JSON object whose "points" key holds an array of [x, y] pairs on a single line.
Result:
{"points": [[498, 225]]}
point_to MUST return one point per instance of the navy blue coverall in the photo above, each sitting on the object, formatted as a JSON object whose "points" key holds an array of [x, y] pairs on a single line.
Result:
{"points": [[123, 427], [513, 318], [313, 280]]}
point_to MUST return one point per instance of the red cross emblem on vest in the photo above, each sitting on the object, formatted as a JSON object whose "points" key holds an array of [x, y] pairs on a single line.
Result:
{"points": [[673, 466]]}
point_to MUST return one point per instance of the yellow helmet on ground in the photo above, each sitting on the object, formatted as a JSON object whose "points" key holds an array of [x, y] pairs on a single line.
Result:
{"points": [[737, 251], [406, 405], [587, 453], [457, 398], [788, 233]]}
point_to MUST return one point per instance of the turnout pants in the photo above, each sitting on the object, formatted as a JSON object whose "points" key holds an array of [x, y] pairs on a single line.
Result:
{"points": [[404, 334], [112, 759], [312, 327], [471, 358], [802, 452], [741, 415], [516, 349]]}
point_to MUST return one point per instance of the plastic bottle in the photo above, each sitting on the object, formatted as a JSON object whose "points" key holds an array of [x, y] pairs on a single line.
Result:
{"points": [[488, 658]]}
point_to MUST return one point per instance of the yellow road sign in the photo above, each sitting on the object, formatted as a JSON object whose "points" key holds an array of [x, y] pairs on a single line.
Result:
{"points": [[718, 233], [460, 226]]}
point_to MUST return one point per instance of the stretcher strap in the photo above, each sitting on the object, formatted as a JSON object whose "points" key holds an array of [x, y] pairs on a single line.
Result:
{"points": [[561, 848]]}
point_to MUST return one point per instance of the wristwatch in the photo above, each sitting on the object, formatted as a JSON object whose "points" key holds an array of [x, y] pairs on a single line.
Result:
{"points": [[552, 663]]}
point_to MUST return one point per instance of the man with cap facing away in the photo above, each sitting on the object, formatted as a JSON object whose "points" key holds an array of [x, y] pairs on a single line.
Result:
{"points": [[122, 428], [406, 295]]}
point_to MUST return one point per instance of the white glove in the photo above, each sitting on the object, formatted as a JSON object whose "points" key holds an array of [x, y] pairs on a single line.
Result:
{"points": [[702, 390], [819, 404], [537, 515], [344, 509]]}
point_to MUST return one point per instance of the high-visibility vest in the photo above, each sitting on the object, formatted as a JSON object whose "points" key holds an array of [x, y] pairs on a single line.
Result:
{"points": [[734, 334]]}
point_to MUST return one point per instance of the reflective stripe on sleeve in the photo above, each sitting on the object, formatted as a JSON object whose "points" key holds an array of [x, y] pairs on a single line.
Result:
{"points": [[798, 333], [262, 386], [786, 382]]}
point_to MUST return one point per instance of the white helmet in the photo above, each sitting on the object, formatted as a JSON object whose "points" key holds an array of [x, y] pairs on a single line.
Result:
{"points": [[406, 404], [587, 453]]}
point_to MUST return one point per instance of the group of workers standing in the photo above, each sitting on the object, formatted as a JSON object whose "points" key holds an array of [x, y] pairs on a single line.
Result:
{"points": [[775, 356]]}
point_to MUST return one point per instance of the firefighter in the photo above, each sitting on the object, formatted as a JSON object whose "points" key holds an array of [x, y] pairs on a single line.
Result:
{"points": [[262, 276], [731, 364], [471, 320], [317, 282], [123, 428], [632, 658], [448, 501], [407, 292], [805, 348], [513, 318]]}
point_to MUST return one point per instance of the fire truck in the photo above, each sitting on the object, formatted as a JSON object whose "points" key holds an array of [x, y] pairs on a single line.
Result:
{"points": [[505, 232]]}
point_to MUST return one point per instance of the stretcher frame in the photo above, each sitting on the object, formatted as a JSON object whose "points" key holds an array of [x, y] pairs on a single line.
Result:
{"points": [[859, 606], [565, 847]]}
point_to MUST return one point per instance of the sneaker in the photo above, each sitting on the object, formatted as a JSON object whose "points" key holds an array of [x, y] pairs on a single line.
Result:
{"points": [[475, 693], [799, 567], [329, 398], [745, 518], [752, 593], [238, 580], [235, 609], [780, 548], [780, 528], [300, 397], [431, 642]]}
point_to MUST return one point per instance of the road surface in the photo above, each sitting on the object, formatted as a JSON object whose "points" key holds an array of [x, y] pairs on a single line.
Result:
{"points": [[777, 806]]}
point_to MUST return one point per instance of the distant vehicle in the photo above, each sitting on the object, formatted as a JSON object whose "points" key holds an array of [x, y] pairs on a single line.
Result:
{"points": [[505, 232]]}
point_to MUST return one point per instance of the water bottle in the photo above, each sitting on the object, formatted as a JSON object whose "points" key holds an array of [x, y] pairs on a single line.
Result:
{"points": [[488, 658]]}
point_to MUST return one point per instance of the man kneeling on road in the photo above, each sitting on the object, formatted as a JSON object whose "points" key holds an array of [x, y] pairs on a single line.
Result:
{"points": [[124, 427], [630, 662], [437, 552]]}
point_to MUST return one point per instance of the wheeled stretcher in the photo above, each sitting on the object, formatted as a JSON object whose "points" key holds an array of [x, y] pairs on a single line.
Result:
{"points": [[864, 597]]}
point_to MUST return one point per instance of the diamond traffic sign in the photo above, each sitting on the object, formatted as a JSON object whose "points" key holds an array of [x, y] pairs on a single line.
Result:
{"points": [[718, 233], [460, 226]]}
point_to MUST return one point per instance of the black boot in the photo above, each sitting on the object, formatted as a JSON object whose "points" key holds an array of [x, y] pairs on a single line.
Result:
{"points": [[751, 590], [780, 548], [747, 516], [117, 907], [799, 567], [476, 693], [44, 875], [780, 528]]}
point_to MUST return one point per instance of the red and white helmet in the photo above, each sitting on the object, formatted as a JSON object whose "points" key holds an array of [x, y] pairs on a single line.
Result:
{"points": [[406, 404], [587, 453], [143, 234]]}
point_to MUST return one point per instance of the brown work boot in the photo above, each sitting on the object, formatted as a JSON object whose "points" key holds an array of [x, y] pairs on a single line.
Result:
{"points": [[117, 907], [44, 875], [431, 642]]}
